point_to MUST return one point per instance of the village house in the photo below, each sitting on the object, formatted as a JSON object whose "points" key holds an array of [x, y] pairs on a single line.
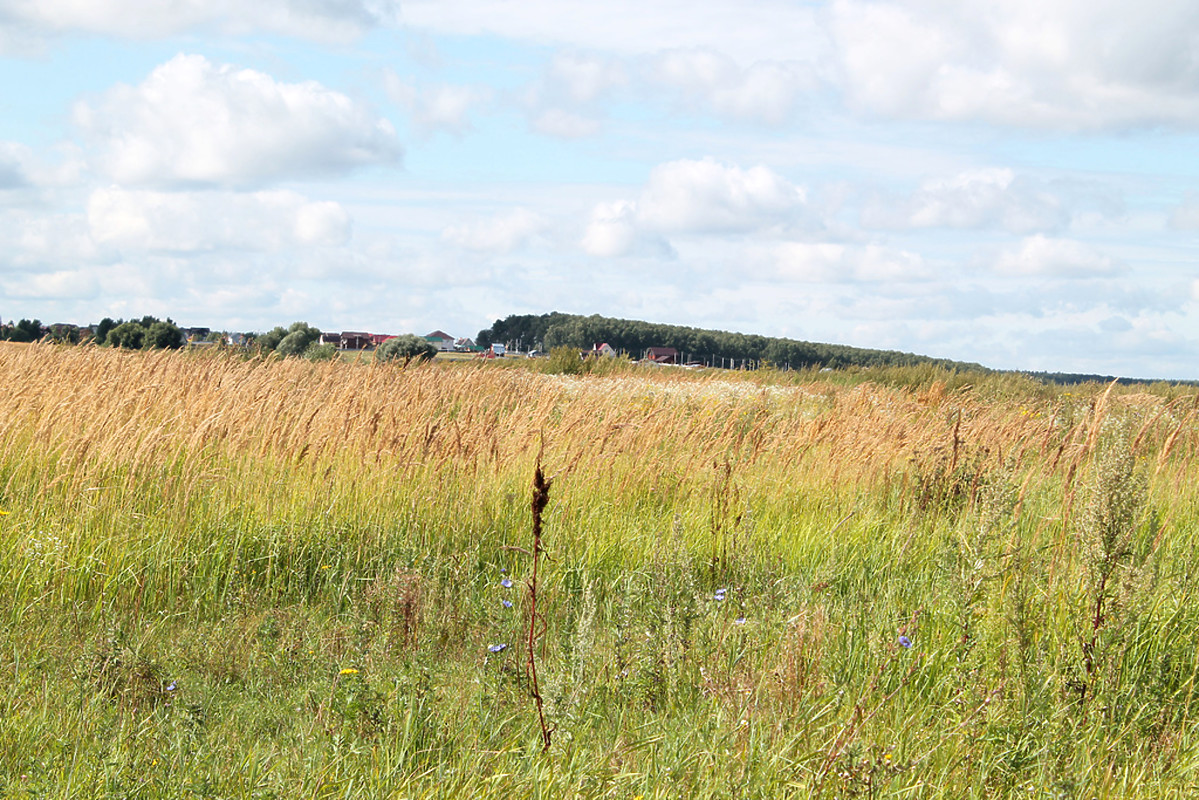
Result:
{"points": [[662, 355], [441, 340]]}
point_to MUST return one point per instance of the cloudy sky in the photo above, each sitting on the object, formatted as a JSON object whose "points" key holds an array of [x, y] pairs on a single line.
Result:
{"points": [[1012, 183]]}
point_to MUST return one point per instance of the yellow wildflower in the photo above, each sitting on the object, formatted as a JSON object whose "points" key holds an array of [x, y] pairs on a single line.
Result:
{"points": [[349, 671]]}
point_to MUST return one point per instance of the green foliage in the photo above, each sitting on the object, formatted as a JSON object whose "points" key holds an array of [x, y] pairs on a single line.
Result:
{"points": [[26, 330], [102, 330], [127, 335], [563, 361], [405, 348], [268, 341], [147, 333], [237, 624], [300, 336], [162, 335], [550, 331], [320, 352]]}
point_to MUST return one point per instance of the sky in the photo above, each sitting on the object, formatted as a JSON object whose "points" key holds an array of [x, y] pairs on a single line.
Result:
{"points": [[1014, 184]]}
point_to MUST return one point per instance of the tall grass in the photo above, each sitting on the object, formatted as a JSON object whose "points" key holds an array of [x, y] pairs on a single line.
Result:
{"points": [[249, 578]]}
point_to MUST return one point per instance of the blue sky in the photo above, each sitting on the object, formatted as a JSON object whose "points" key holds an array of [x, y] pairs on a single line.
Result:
{"points": [[1014, 184]]}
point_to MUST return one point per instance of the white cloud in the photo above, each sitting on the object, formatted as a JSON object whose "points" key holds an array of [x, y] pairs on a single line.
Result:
{"points": [[322, 20], [766, 91], [1185, 216], [693, 197], [837, 263], [45, 242], [707, 196], [1028, 63], [13, 160], [986, 198], [442, 107], [197, 222], [501, 234], [780, 28], [194, 122], [1062, 258], [565, 124], [565, 101], [582, 79], [614, 231]]}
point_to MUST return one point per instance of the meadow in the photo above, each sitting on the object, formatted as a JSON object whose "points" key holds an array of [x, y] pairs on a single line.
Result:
{"points": [[246, 578]]}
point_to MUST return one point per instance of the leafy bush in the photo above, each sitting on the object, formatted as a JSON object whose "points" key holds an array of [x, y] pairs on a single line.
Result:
{"points": [[320, 352], [406, 347]]}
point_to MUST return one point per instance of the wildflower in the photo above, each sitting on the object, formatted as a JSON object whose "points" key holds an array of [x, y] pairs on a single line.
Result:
{"points": [[739, 621], [3, 513], [719, 596], [506, 583], [506, 602], [905, 642], [349, 671], [324, 566], [497, 648], [172, 686]]}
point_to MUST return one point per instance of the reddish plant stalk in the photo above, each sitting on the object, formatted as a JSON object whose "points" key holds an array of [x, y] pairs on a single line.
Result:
{"points": [[541, 497]]}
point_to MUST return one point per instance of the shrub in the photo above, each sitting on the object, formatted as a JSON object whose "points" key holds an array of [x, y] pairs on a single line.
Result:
{"points": [[406, 347]]}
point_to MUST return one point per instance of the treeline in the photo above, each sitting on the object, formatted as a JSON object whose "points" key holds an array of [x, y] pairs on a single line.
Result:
{"points": [[547, 331], [135, 334]]}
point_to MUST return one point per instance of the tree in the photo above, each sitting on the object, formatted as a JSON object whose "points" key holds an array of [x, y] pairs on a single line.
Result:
{"points": [[106, 325], [406, 347], [320, 352], [128, 335], [270, 340], [163, 335], [300, 336], [27, 330], [291, 342]]}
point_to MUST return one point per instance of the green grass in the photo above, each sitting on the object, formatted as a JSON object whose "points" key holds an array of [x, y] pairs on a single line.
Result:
{"points": [[244, 624]]}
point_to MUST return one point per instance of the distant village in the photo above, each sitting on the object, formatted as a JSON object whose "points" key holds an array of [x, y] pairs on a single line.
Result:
{"points": [[201, 337]]}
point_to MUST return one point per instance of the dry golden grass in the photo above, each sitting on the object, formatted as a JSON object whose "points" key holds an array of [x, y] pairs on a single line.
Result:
{"points": [[95, 410]]}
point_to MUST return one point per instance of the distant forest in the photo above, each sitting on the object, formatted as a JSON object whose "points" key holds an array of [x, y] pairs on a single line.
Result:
{"points": [[721, 348], [713, 348]]}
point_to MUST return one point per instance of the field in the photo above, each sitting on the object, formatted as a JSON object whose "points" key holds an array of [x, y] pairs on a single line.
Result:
{"points": [[237, 578]]}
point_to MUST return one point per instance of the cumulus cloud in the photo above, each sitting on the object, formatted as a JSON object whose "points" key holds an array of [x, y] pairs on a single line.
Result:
{"points": [[580, 78], [709, 196], [13, 158], [1064, 64], [197, 222], [614, 231], [766, 91], [322, 20], [987, 198], [565, 102], [1185, 216], [192, 122], [501, 234], [442, 107], [693, 197], [837, 263], [32, 242], [1059, 258]]}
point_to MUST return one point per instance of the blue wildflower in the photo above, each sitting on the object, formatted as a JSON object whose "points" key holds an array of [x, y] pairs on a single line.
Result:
{"points": [[172, 687], [905, 642], [497, 648], [506, 583], [719, 594], [506, 602], [739, 621]]}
